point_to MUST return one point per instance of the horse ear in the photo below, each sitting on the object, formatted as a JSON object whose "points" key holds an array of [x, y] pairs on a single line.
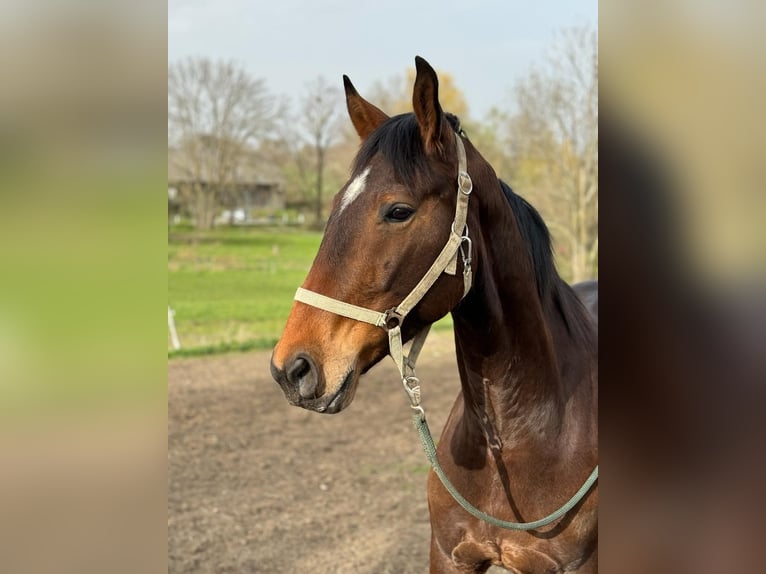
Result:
{"points": [[425, 102], [365, 117]]}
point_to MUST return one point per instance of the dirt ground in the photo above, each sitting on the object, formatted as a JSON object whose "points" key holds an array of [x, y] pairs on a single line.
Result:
{"points": [[256, 485]]}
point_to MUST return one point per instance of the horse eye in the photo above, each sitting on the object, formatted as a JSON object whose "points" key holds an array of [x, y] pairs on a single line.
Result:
{"points": [[399, 213]]}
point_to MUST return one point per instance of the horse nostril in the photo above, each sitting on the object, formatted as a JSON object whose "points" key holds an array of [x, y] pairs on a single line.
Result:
{"points": [[304, 376], [299, 368]]}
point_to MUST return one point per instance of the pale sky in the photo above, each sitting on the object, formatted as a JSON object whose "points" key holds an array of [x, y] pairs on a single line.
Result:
{"points": [[485, 44]]}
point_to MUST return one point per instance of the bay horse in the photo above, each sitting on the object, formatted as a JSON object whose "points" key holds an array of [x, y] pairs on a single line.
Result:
{"points": [[522, 434]]}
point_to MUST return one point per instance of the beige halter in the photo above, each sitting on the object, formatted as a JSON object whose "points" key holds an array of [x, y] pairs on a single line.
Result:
{"points": [[392, 319]]}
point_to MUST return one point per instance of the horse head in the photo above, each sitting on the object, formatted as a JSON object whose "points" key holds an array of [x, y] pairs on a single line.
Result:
{"points": [[387, 225]]}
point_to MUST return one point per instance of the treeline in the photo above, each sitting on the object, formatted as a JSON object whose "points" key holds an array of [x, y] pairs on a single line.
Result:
{"points": [[543, 141]]}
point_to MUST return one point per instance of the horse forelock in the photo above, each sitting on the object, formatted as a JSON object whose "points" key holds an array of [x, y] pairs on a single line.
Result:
{"points": [[400, 143]]}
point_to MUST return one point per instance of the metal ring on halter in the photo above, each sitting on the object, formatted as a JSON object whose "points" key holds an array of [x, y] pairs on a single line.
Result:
{"points": [[462, 178], [455, 232], [392, 319]]}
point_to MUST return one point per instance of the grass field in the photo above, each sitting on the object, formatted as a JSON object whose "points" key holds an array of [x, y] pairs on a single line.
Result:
{"points": [[232, 288]]}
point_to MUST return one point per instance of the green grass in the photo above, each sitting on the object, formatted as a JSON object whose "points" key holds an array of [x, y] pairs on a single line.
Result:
{"points": [[232, 288], [223, 348]]}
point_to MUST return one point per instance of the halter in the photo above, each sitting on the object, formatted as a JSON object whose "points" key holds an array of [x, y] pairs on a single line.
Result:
{"points": [[391, 320]]}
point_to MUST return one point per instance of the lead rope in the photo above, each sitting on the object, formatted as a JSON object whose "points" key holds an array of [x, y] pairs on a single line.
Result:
{"points": [[446, 262], [430, 449]]}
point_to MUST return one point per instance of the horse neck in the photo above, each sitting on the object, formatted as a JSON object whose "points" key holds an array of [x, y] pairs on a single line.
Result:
{"points": [[518, 365]]}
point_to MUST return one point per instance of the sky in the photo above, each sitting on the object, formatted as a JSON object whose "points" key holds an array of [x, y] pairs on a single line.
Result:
{"points": [[487, 45]]}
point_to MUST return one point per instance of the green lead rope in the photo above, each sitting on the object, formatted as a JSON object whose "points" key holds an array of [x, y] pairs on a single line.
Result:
{"points": [[428, 445]]}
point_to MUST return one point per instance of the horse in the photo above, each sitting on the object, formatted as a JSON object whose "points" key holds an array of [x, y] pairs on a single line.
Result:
{"points": [[522, 434]]}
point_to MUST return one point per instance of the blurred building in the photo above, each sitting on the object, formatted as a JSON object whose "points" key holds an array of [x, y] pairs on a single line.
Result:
{"points": [[254, 193]]}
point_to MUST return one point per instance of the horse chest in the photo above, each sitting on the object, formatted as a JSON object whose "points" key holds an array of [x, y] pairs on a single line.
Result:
{"points": [[471, 545]]}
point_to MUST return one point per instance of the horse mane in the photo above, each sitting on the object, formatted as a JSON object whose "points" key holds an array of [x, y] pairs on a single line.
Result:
{"points": [[536, 237], [550, 286]]}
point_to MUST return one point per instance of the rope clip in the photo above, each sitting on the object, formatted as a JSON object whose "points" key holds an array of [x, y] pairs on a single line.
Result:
{"points": [[412, 388], [466, 252]]}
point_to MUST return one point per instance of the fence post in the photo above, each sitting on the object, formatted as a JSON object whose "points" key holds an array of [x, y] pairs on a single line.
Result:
{"points": [[172, 327]]}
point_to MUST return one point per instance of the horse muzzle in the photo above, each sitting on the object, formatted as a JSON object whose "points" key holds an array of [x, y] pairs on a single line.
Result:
{"points": [[304, 385]]}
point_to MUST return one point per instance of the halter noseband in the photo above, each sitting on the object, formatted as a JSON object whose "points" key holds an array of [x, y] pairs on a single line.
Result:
{"points": [[391, 320]]}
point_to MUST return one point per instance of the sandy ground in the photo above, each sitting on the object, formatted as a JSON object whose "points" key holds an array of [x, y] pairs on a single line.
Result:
{"points": [[255, 485]]}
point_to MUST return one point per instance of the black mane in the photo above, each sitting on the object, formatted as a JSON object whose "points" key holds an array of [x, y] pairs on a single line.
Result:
{"points": [[550, 286], [536, 237]]}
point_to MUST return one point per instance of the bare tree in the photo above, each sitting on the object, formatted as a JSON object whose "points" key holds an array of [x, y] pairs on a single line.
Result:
{"points": [[554, 142], [216, 113], [319, 120]]}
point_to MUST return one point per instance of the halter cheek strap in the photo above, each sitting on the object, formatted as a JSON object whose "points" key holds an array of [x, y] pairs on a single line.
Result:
{"points": [[392, 319]]}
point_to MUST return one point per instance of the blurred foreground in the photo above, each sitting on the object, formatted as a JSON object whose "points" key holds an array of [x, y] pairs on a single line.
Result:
{"points": [[82, 287], [683, 313]]}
